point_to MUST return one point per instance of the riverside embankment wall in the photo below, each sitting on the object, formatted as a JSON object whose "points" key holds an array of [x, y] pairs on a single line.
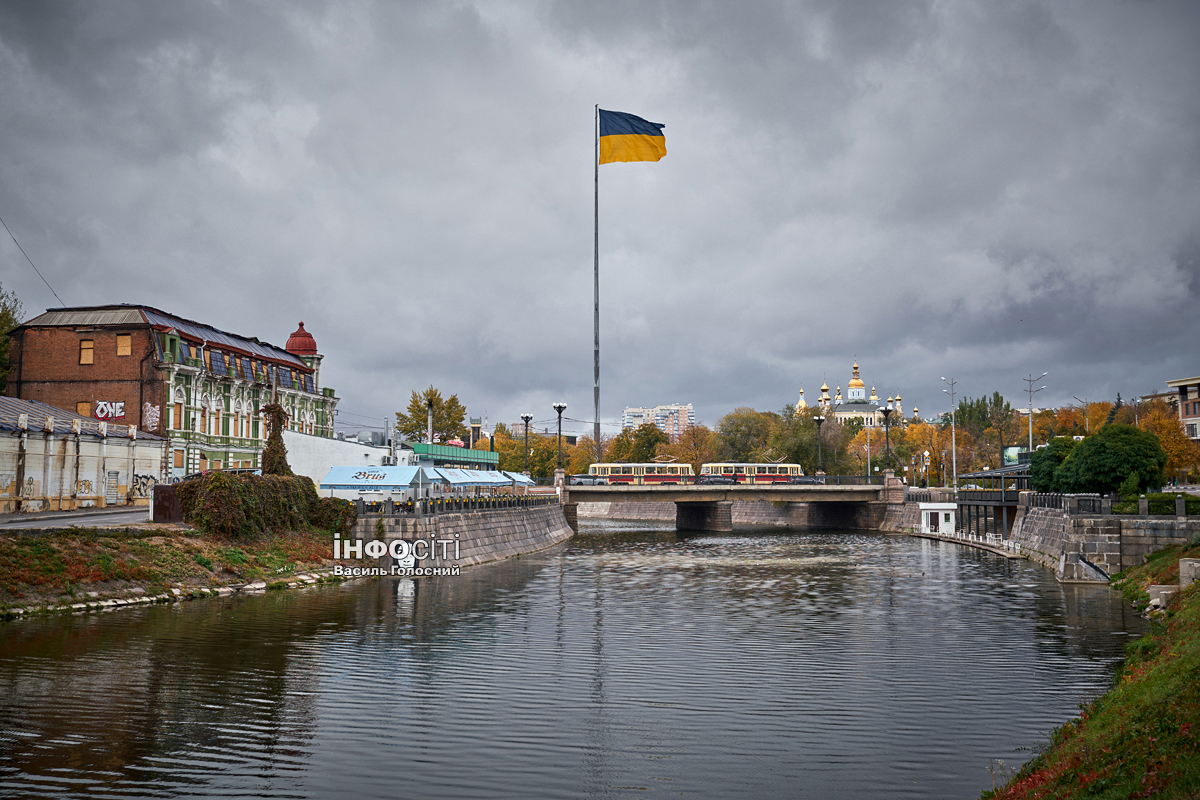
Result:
{"points": [[1109, 542], [481, 536]]}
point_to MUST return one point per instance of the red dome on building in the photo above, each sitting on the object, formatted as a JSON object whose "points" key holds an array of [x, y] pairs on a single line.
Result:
{"points": [[301, 343]]}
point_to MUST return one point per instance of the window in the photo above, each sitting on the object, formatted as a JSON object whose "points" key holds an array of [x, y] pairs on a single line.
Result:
{"points": [[83, 409], [124, 344], [203, 464], [203, 420], [179, 459], [208, 359], [86, 351], [178, 416], [216, 464]]}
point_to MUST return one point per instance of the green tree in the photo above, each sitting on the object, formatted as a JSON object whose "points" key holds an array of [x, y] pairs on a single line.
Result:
{"points": [[1103, 461], [1045, 461], [448, 417], [646, 439], [10, 317], [745, 434]]}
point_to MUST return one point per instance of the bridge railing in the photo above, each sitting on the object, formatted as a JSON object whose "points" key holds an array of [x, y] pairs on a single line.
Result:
{"points": [[853, 480], [451, 505], [1046, 500]]}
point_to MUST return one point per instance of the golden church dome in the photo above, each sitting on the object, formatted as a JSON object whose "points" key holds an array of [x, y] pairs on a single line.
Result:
{"points": [[856, 382]]}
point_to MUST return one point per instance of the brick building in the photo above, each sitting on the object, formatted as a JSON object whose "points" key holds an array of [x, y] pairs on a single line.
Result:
{"points": [[197, 386]]}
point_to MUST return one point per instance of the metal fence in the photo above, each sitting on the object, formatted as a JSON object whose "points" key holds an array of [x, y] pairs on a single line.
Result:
{"points": [[451, 505]]}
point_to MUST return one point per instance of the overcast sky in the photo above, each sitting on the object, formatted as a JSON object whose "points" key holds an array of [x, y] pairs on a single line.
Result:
{"points": [[971, 189]]}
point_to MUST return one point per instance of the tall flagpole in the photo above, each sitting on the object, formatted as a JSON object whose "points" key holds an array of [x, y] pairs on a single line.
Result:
{"points": [[596, 162]]}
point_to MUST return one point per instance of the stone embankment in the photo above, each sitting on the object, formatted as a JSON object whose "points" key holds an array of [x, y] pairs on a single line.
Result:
{"points": [[1081, 547], [477, 536]]}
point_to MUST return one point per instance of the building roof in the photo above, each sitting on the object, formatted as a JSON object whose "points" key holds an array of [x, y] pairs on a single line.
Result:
{"points": [[301, 343], [123, 314], [11, 408]]}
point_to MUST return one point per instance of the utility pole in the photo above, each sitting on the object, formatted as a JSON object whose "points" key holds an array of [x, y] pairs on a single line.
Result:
{"points": [[953, 437], [1032, 391], [1086, 421]]}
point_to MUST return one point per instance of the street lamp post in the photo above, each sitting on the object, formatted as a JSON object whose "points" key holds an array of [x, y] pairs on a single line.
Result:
{"points": [[560, 407], [926, 468], [429, 421], [820, 420], [526, 418], [953, 436], [1086, 422], [1032, 391], [887, 431]]}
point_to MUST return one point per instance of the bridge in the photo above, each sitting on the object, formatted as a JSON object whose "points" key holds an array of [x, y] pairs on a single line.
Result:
{"points": [[710, 508]]}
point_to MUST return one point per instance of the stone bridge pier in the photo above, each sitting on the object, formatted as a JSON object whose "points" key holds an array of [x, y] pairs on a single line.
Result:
{"points": [[704, 516]]}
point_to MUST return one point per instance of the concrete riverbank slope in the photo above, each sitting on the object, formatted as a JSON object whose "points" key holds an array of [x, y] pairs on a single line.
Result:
{"points": [[477, 536]]}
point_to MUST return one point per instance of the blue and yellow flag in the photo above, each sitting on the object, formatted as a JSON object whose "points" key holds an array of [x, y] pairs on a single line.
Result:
{"points": [[624, 137]]}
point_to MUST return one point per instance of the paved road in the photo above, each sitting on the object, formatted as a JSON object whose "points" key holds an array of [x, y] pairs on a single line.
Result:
{"points": [[82, 520]]}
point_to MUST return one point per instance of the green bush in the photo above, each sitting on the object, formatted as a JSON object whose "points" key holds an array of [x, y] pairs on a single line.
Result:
{"points": [[334, 515], [241, 506]]}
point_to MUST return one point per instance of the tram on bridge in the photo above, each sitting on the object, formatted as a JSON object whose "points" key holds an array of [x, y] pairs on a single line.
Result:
{"points": [[652, 473], [753, 473], [643, 474]]}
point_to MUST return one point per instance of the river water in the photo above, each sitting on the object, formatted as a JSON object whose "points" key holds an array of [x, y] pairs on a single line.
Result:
{"points": [[628, 662]]}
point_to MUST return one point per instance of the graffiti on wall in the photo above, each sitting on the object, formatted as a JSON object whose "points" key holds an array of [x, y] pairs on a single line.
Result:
{"points": [[143, 484], [110, 409], [29, 489], [149, 417], [83, 487]]}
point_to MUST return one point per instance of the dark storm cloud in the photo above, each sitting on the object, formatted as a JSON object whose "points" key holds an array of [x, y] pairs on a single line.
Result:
{"points": [[977, 189]]}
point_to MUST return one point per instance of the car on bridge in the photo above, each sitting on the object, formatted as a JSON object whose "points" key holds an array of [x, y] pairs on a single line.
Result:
{"points": [[588, 480], [716, 480]]}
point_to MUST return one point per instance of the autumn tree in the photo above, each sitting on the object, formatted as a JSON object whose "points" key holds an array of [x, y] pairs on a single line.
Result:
{"points": [[448, 417], [1162, 419], [10, 317], [695, 446]]}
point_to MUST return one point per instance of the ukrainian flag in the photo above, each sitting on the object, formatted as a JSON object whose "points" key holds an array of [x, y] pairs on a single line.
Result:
{"points": [[624, 137]]}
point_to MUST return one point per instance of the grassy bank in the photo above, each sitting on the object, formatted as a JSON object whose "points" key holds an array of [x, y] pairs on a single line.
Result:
{"points": [[1142, 738], [65, 567]]}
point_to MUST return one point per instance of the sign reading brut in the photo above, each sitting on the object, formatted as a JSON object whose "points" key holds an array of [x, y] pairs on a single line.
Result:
{"points": [[110, 409]]}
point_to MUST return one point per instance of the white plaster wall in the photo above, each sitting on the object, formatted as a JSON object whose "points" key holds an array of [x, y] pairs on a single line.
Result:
{"points": [[312, 456]]}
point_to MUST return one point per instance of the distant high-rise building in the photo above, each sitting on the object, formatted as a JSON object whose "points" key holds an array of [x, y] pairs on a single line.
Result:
{"points": [[671, 420]]}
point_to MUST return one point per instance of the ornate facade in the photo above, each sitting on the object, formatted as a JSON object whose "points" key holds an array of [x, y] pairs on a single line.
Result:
{"points": [[199, 387]]}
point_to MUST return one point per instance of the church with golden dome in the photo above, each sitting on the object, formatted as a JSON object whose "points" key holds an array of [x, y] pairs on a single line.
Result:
{"points": [[856, 405]]}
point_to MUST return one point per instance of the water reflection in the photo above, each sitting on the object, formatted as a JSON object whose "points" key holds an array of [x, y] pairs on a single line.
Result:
{"points": [[627, 662]]}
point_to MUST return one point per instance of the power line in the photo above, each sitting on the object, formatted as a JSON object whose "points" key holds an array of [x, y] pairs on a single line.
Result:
{"points": [[30, 260]]}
